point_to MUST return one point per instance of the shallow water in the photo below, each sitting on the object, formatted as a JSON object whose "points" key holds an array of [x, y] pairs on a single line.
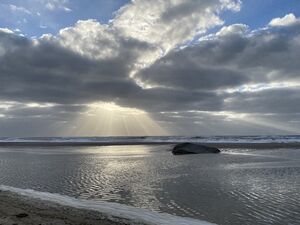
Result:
{"points": [[239, 186]]}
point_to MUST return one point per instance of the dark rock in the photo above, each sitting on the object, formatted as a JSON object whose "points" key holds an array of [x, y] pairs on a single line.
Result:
{"points": [[21, 215], [191, 148]]}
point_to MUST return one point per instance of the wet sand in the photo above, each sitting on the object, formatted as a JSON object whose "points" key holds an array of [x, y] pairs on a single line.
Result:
{"points": [[24, 207], [20, 210]]}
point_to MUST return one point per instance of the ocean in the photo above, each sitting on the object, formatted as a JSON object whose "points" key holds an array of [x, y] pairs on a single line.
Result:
{"points": [[238, 186]]}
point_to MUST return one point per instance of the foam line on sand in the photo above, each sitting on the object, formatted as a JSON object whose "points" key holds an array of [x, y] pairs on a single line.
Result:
{"points": [[113, 211]]}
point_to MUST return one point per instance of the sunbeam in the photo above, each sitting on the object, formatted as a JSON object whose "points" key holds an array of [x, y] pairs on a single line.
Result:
{"points": [[258, 121], [109, 119]]}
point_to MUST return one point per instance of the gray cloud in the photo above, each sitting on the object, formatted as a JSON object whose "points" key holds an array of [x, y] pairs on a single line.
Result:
{"points": [[233, 59], [44, 71], [219, 73], [276, 101], [207, 123], [47, 72], [230, 60], [162, 99], [169, 23], [184, 70]]}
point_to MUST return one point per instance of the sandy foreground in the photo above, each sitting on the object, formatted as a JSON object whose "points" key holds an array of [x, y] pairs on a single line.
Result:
{"points": [[19, 207], [15, 209]]}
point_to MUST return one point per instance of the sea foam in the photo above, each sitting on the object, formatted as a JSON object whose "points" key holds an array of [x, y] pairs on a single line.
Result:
{"points": [[159, 139]]}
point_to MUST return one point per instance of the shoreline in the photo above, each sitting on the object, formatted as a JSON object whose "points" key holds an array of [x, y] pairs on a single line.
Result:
{"points": [[17, 209], [25, 206], [269, 145]]}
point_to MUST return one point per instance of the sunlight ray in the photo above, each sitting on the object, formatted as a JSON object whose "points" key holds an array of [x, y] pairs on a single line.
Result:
{"points": [[109, 119]]}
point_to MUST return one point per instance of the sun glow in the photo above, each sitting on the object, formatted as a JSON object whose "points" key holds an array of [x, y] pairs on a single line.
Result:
{"points": [[255, 119], [112, 107], [109, 119], [264, 86], [39, 105]]}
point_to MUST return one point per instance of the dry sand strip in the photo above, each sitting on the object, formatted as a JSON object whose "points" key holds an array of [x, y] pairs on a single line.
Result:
{"points": [[19, 210]]}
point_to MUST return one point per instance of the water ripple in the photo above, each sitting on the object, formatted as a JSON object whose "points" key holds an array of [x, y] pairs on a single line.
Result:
{"points": [[250, 187]]}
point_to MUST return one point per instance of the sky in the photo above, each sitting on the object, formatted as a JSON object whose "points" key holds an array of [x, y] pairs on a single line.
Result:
{"points": [[171, 67]]}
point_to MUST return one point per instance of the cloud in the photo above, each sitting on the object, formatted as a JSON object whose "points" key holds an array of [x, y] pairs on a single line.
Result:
{"points": [[97, 41], [184, 70], [54, 5], [6, 30], [141, 60], [95, 60], [276, 101], [166, 24], [164, 99], [16, 110], [254, 73], [44, 71], [238, 29], [15, 8], [231, 58], [287, 20]]}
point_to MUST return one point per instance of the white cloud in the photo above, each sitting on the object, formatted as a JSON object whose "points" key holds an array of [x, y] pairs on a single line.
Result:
{"points": [[15, 8], [90, 38], [287, 20], [162, 25], [167, 23], [6, 30], [67, 9], [50, 6], [53, 5], [233, 29]]}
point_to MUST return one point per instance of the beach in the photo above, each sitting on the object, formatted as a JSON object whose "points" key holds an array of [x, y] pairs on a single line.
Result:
{"points": [[25, 207], [16, 209], [247, 183]]}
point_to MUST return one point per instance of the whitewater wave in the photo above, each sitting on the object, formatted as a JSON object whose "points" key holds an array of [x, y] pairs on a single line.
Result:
{"points": [[113, 211], [160, 139]]}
